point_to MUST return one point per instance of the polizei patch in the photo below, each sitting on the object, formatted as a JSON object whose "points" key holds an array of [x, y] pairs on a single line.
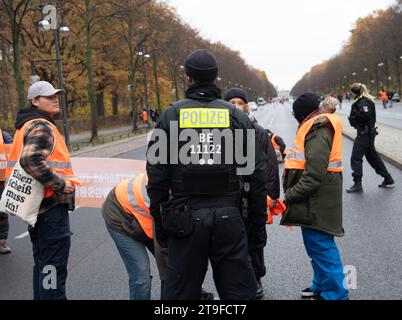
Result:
{"points": [[204, 118]]}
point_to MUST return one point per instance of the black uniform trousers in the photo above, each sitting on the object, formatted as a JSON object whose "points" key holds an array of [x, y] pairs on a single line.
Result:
{"points": [[257, 240], [364, 146], [220, 236]]}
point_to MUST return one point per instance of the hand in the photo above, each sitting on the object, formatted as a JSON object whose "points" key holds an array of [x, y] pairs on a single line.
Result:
{"points": [[68, 188], [273, 204], [161, 236]]}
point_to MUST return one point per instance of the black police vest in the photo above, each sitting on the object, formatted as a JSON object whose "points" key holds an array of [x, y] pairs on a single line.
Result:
{"points": [[203, 176]]}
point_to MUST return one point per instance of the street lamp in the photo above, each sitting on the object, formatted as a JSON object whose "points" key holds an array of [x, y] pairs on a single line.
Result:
{"points": [[64, 31], [145, 57]]}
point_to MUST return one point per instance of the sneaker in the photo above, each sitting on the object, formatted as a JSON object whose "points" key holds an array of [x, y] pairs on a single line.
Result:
{"points": [[205, 295], [260, 290], [357, 187], [4, 248], [307, 293], [387, 183]]}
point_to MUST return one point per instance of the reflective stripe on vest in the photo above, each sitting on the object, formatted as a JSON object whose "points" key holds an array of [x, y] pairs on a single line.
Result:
{"points": [[59, 160], [133, 198], [296, 158]]}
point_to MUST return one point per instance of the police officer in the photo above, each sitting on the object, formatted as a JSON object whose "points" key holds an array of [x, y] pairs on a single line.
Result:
{"points": [[202, 220], [256, 228], [363, 118]]}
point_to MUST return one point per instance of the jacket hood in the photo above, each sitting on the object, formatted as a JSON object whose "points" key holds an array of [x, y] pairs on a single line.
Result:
{"points": [[28, 114]]}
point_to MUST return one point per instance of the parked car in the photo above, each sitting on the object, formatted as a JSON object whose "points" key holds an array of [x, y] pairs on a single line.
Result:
{"points": [[253, 106], [261, 102], [396, 97]]}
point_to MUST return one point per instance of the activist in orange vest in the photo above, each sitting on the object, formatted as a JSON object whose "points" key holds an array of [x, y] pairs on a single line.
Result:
{"points": [[5, 145], [313, 194], [42, 153], [279, 145], [145, 116], [128, 220]]}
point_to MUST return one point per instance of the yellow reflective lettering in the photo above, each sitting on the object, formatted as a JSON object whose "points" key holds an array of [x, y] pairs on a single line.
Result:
{"points": [[204, 118]]}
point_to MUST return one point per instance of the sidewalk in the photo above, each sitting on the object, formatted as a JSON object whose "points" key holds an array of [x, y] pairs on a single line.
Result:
{"points": [[388, 142], [86, 136]]}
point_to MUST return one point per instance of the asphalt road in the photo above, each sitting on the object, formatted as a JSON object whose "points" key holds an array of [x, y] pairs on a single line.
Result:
{"points": [[372, 244]]}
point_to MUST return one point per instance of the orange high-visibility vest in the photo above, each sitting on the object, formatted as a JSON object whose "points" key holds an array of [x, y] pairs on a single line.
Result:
{"points": [[133, 197], [4, 151], [145, 116], [296, 158], [383, 95], [279, 209], [59, 160], [277, 148]]}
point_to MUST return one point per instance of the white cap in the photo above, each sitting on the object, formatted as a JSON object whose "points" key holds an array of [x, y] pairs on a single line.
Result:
{"points": [[44, 89]]}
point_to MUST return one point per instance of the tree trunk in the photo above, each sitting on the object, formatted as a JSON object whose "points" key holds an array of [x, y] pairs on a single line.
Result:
{"points": [[158, 97], [398, 75], [19, 82], [100, 103], [115, 103], [89, 66], [176, 89]]}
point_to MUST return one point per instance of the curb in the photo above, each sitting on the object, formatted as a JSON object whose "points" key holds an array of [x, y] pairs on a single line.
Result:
{"points": [[382, 153]]}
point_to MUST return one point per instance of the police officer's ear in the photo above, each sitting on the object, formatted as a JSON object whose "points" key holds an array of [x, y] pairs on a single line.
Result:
{"points": [[190, 81]]}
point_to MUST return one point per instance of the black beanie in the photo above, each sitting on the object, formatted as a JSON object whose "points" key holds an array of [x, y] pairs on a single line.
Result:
{"points": [[201, 65], [305, 105], [235, 93]]}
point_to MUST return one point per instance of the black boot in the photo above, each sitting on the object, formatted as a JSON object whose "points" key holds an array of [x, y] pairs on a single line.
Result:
{"points": [[387, 183], [205, 295], [357, 187]]}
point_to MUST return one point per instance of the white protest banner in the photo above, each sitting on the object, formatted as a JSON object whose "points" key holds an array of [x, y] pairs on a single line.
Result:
{"points": [[100, 175]]}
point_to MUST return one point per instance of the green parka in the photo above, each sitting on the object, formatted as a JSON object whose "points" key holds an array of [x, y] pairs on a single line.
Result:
{"points": [[314, 195]]}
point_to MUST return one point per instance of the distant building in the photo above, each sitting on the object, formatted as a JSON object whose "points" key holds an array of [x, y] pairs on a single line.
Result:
{"points": [[284, 94]]}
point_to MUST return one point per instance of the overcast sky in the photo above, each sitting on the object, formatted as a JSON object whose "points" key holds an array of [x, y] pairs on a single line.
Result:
{"points": [[285, 38]]}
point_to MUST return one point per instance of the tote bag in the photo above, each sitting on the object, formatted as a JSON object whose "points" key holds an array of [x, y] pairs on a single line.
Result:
{"points": [[22, 195]]}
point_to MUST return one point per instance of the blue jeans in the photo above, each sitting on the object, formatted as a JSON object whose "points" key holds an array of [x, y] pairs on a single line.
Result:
{"points": [[328, 278], [136, 260], [51, 238]]}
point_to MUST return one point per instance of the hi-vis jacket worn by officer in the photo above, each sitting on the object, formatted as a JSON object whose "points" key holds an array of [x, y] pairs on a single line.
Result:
{"points": [[314, 176]]}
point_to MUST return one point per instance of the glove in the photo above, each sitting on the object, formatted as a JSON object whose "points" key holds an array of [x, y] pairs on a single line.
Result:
{"points": [[273, 204], [161, 236]]}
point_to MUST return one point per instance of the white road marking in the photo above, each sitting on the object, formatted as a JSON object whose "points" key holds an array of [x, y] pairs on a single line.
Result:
{"points": [[26, 234], [22, 236]]}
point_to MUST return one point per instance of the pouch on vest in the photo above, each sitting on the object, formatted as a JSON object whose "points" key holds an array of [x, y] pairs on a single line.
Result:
{"points": [[177, 220]]}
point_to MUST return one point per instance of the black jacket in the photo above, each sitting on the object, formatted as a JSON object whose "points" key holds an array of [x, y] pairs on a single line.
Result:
{"points": [[273, 184], [362, 114], [159, 175]]}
